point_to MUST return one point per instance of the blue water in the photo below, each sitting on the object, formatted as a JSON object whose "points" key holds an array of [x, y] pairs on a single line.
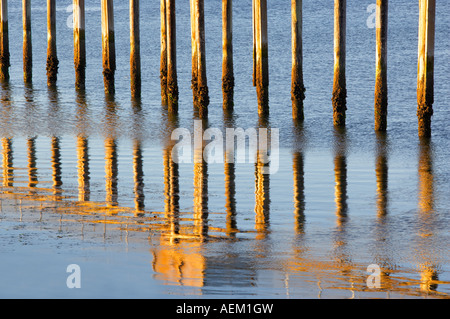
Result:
{"points": [[313, 241]]}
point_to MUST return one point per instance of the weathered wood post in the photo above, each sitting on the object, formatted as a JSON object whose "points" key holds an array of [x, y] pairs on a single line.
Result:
{"points": [[27, 43], [425, 77], [254, 41], [262, 56], [227, 55], [199, 85], [108, 45], [297, 86], [52, 59], [163, 63], [79, 43], [172, 79], [4, 41], [339, 83], [135, 48], [381, 87], [194, 50]]}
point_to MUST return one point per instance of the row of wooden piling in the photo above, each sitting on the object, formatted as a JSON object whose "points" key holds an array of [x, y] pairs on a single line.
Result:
{"points": [[168, 66]]}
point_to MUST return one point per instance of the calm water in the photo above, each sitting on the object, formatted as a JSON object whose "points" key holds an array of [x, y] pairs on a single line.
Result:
{"points": [[87, 180]]}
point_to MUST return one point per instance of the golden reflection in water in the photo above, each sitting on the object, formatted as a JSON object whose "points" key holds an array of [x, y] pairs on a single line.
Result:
{"points": [[230, 198], [138, 175], [427, 217], [32, 170], [83, 169], [262, 198], [200, 194], [111, 172], [299, 192], [381, 172], [230, 179], [340, 175], [8, 170], [56, 167], [179, 264]]}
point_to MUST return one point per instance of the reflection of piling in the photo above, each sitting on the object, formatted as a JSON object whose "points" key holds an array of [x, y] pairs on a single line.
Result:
{"points": [[108, 45], [426, 177], [79, 43], [299, 191], [199, 83], [4, 41], [8, 170], [381, 88], [27, 46], [135, 47], [31, 150], [262, 198], [339, 82], [111, 172], [262, 55], [163, 63], [230, 196], [297, 86], [138, 175], [56, 165], [83, 169], [340, 173], [425, 78], [200, 193], [172, 81], [381, 171], [52, 59], [227, 55]]}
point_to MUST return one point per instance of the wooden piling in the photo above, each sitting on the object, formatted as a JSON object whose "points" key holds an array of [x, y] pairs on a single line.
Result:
{"points": [[108, 45], [194, 50], [52, 59], [262, 56], [163, 63], [4, 41], [79, 43], [381, 88], [425, 77], [135, 48], [254, 41], [227, 55], [172, 80], [200, 86], [339, 83], [27, 43], [297, 85]]}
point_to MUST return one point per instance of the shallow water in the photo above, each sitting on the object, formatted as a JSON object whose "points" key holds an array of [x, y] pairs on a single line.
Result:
{"points": [[87, 179]]}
